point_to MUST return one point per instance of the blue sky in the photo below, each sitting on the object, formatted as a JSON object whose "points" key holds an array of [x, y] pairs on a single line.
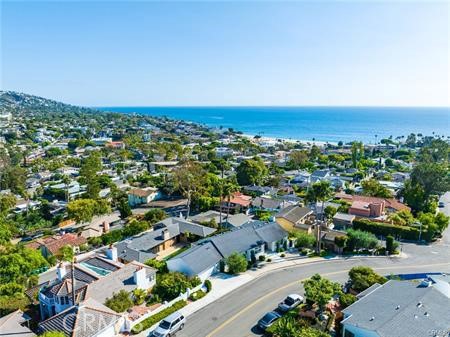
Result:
{"points": [[112, 53]]}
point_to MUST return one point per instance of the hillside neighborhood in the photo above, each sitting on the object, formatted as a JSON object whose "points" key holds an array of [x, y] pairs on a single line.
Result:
{"points": [[111, 223]]}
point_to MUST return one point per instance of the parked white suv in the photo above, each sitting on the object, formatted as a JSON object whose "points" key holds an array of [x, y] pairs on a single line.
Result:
{"points": [[169, 325], [290, 302]]}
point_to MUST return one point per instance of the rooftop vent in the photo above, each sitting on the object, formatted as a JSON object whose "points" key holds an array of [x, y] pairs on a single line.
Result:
{"points": [[419, 304], [397, 307], [372, 318], [426, 313]]}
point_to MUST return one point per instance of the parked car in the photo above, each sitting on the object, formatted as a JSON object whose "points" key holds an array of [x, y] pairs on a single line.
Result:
{"points": [[170, 325], [290, 302], [268, 319], [441, 204]]}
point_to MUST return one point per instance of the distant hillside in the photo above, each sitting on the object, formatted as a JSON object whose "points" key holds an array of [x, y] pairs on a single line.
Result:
{"points": [[15, 102]]}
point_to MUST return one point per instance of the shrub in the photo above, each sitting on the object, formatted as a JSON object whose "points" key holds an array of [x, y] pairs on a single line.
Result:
{"points": [[120, 301], [171, 285], [358, 239], [161, 266], [304, 240], [391, 244], [150, 321], [282, 255], [346, 300], [155, 215], [53, 334], [269, 260], [197, 295], [262, 258], [237, 263], [385, 229], [139, 296], [208, 286]]}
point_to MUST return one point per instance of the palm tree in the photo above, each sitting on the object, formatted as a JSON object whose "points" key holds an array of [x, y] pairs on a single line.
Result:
{"points": [[228, 189], [66, 181], [319, 191]]}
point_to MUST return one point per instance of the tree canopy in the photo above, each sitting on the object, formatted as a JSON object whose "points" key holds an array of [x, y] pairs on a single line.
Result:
{"points": [[362, 278], [320, 290], [251, 172], [171, 285], [373, 188], [237, 263]]}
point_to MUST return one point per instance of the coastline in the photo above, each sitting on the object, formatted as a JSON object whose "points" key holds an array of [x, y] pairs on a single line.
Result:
{"points": [[318, 125], [290, 140]]}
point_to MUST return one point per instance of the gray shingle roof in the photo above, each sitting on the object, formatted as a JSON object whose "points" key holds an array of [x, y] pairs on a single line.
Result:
{"points": [[268, 232], [97, 261], [344, 217], [64, 288], [11, 325], [401, 308], [238, 240], [129, 254], [139, 247], [211, 250], [268, 203], [237, 220], [116, 281], [200, 258], [294, 213], [84, 320]]}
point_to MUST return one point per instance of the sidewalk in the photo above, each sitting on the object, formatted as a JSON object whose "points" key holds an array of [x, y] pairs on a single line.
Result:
{"points": [[223, 284]]}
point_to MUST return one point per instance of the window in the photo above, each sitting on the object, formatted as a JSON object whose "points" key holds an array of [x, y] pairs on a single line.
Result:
{"points": [[63, 300], [348, 333]]}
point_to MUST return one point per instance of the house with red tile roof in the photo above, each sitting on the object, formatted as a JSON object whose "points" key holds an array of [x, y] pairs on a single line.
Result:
{"points": [[391, 205], [52, 244], [238, 203]]}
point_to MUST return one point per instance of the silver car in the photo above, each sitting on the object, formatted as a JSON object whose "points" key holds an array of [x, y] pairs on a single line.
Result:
{"points": [[169, 325], [290, 302]]}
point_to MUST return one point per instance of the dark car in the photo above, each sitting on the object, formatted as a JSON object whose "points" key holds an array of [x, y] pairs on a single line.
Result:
{"points": [[268, 319]]}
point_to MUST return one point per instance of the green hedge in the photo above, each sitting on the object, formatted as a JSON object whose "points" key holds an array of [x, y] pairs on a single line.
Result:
{"points": [[149, 322], [385, 229]]}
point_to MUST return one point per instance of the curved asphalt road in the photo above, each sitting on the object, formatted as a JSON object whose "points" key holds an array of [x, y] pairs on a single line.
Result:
{"points": [[236, 314]]}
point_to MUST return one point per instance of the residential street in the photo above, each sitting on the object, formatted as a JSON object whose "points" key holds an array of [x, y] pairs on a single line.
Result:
{"points": [[445, 198], [237, 313]]}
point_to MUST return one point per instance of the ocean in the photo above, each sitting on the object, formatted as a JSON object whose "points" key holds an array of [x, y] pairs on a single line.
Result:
{"points": [[332, 124]]}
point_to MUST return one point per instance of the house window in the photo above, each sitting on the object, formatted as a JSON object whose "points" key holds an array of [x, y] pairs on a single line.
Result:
{"points": [[62, 301], [349, 334]]}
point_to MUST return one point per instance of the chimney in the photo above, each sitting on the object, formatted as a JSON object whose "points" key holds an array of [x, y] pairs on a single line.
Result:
{"points": [[105, 227], [376, 209], [111, 253], [165, 234], [140, 278], [61, 271]]}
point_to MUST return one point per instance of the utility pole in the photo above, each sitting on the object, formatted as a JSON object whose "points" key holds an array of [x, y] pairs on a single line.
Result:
{"points": [[72, 267], [221, 197]]}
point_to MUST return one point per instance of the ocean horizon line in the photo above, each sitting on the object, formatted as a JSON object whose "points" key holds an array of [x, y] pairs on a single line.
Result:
{"points": [[272, 106]]}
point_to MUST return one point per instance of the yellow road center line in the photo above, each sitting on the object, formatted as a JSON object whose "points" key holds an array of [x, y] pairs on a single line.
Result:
{"points": [[232, 318]]}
